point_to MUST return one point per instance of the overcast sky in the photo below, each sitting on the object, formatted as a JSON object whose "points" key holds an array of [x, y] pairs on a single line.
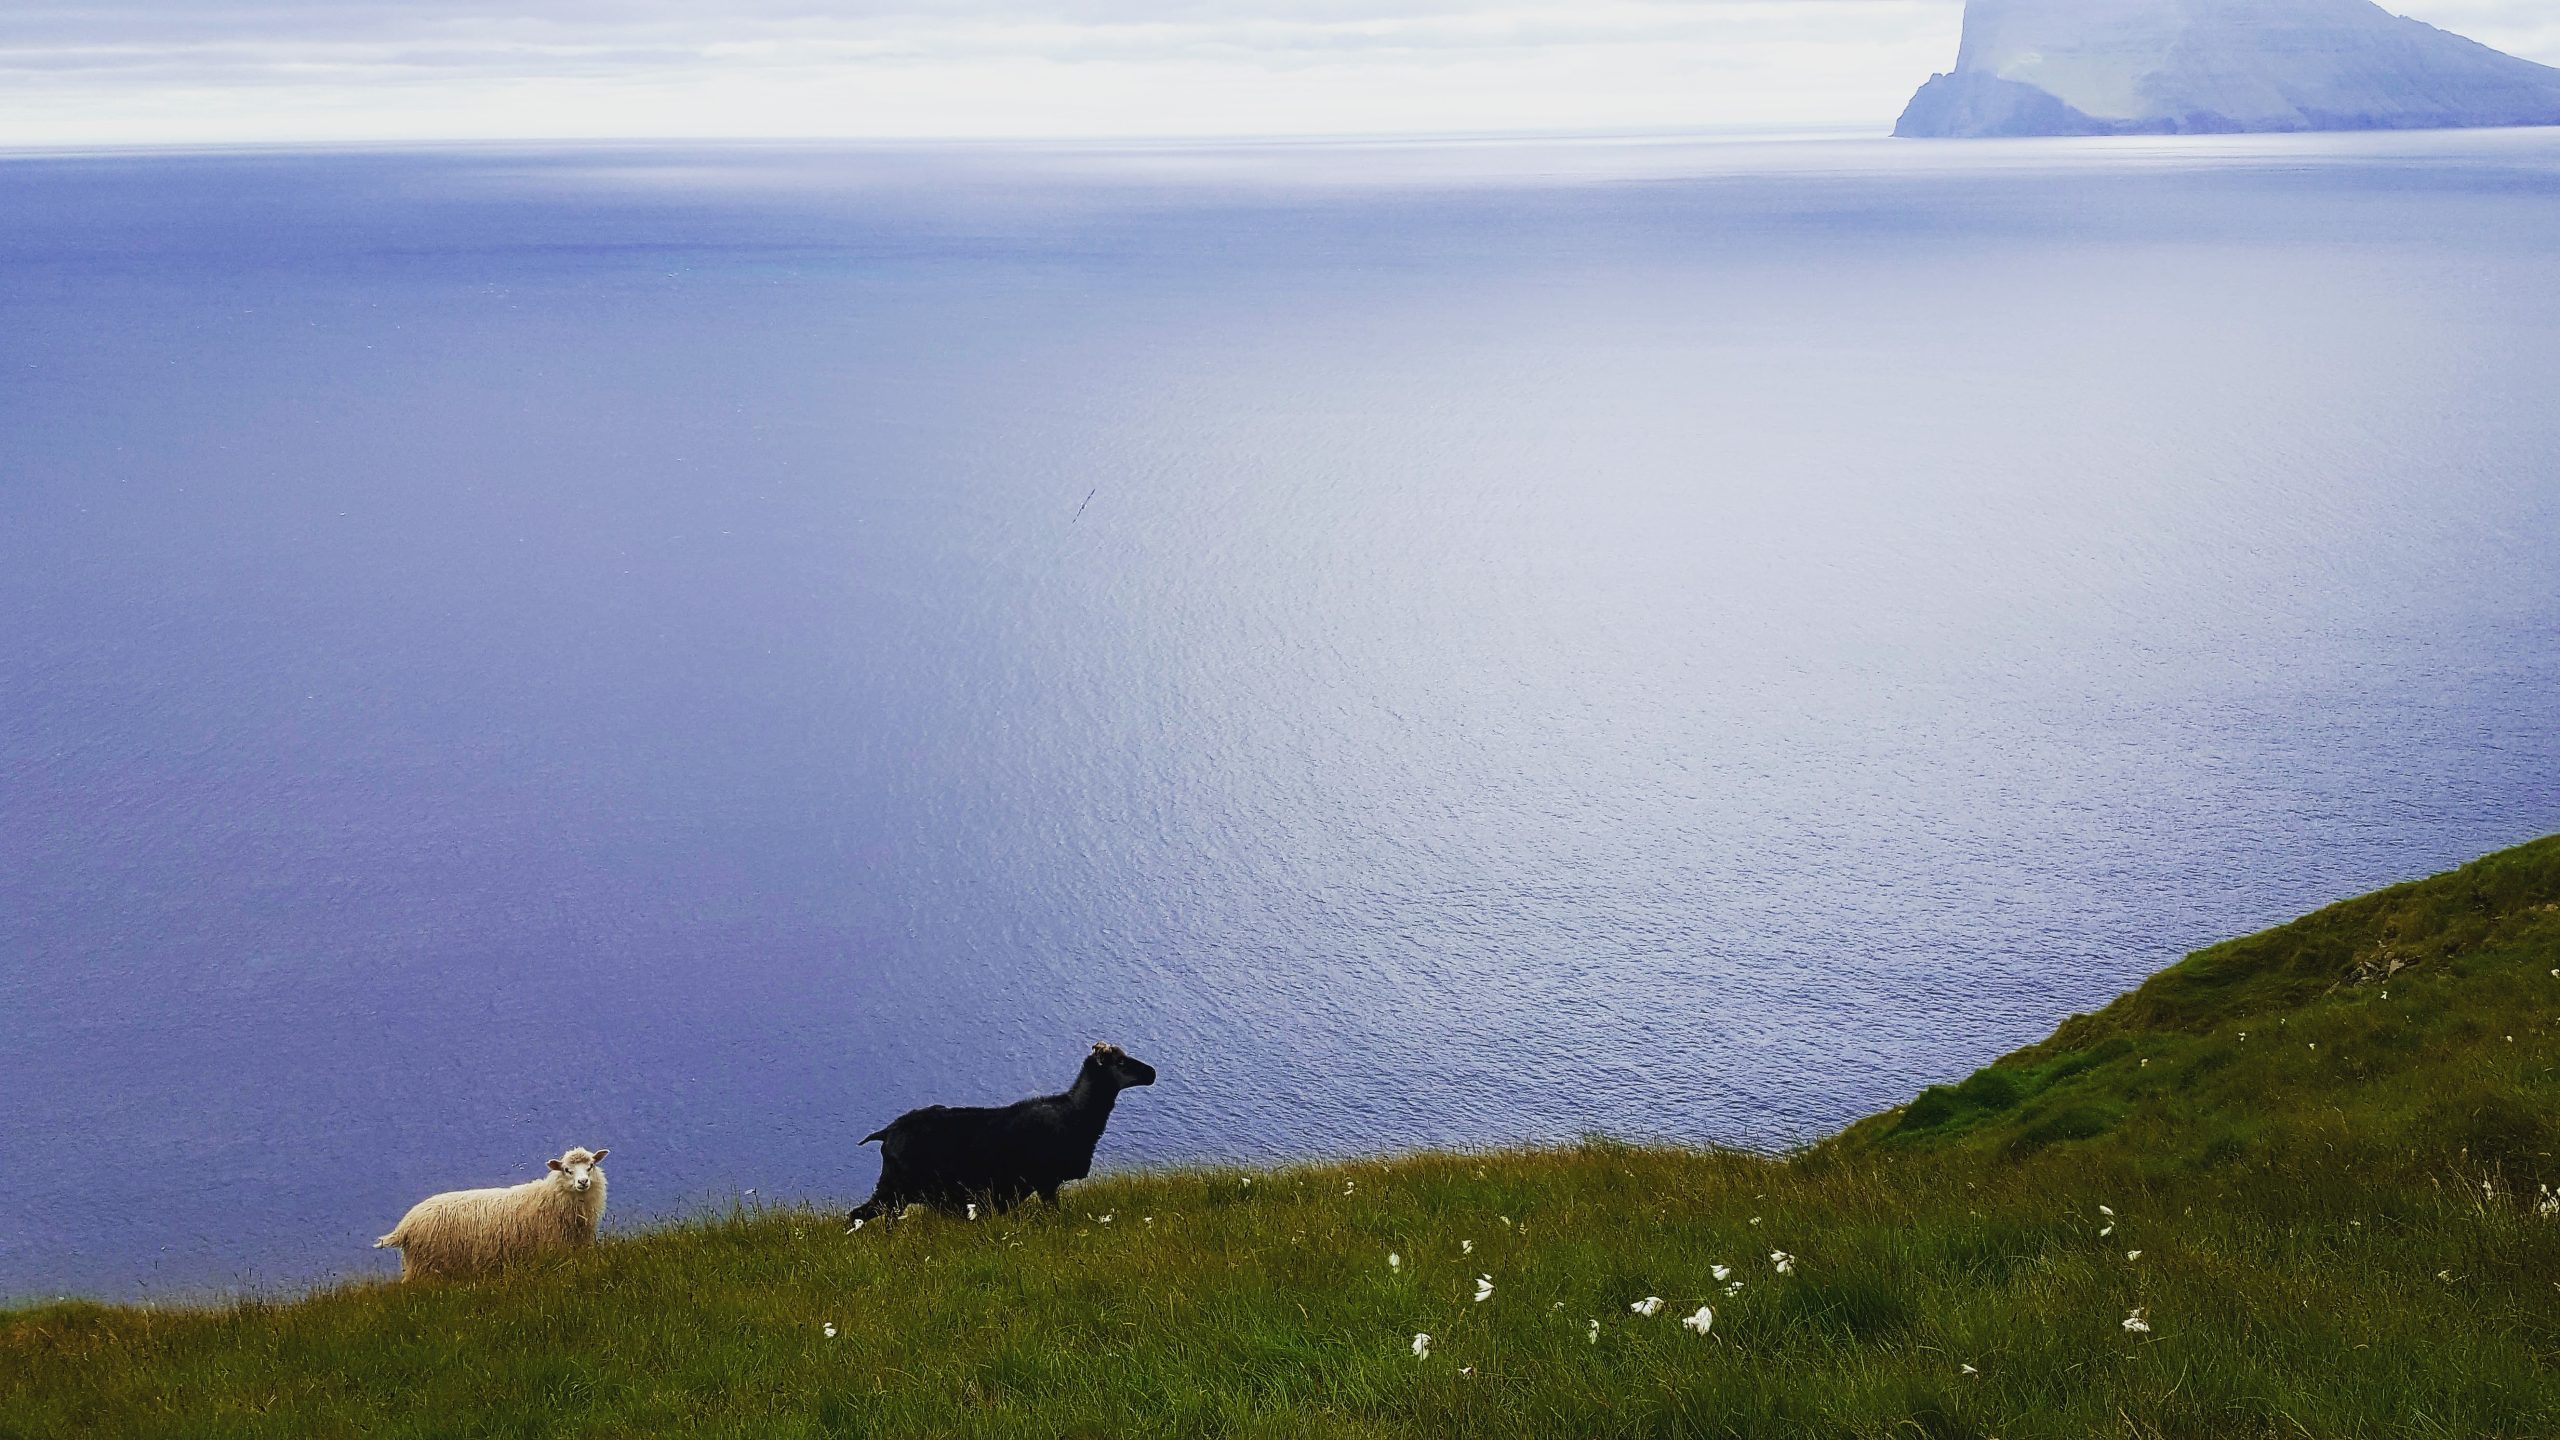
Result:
{"points": [[88, 71]]}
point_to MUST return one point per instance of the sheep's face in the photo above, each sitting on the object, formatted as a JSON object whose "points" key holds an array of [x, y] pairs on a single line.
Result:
{"points": [[1117, 1068], [580, 1170]]}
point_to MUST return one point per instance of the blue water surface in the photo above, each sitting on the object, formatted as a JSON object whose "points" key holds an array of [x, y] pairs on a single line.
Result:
{"points": [[696, 651]]}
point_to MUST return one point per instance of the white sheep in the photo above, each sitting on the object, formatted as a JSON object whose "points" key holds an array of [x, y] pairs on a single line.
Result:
{"points": [[464, 1231]]}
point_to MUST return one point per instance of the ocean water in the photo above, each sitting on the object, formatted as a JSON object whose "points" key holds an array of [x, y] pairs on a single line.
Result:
{"points": [[697, 651]]}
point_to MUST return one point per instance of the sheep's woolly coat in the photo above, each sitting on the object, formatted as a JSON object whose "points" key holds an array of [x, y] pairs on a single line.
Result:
{"points": [[462, 1232]]}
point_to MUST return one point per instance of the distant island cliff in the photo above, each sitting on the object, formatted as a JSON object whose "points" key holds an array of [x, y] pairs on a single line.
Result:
{"points": [[2165, 67]]}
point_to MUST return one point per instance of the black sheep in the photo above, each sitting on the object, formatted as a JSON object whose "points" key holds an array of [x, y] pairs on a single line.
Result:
{"points": [[948, 1156]]}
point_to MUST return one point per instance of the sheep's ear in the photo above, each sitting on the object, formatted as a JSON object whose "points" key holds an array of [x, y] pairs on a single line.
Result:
{"points": [[556, 1165], [598, 1157]]}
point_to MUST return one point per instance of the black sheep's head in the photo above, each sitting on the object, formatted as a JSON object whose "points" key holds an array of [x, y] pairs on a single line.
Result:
{"points": [[1116, 1068]]}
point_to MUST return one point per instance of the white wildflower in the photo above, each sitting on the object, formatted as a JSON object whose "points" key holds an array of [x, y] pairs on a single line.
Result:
{"points": [[2445, 1275], [1782, 1262], [1593, 1334], [1248, 1182], [1394, 1261], [2137, 1323], [1721, 1272], [1649, 1306], [1969, 1370], [2132, 1255], [1484, 1288], [2107, 1210], [1703, 1321], [1466, 1247], [1147, 1219], [1107, 1218], [1755, 1219], [2106, 1231], [1733, 1289], [1505, 1219], [856, 1225], [1349, 1185], [2549, 1205], [1421, 1346], [1466, 1369], [830, 1329], [973, 1210]]}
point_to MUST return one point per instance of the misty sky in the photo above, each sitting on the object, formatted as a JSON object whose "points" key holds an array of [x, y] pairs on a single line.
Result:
{"points": [[86, 71]]}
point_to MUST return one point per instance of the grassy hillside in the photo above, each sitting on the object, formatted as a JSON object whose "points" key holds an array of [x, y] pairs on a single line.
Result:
{"points": [[2396, 1034], [2321, 1142]]}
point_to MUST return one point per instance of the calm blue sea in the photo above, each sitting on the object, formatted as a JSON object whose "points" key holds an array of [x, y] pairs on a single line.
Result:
{"points": [[697, 651]]}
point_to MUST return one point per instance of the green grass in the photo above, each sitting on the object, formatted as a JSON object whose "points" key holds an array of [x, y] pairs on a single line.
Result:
{"points": [[2394, 1034], [2336, 1217]]}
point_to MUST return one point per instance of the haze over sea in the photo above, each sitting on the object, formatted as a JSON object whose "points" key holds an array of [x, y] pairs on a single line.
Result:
{"points": [[697, 651]]}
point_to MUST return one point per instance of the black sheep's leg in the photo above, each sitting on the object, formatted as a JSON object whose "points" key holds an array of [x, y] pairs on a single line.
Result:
{"points": [[1049, 1196], [882, 1202]]}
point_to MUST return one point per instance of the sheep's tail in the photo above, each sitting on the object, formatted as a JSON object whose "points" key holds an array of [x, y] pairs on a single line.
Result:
{"points": [[880, 1134], [388, 1242]]}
